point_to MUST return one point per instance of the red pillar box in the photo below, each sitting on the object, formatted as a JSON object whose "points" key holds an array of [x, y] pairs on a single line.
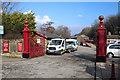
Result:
{"points": [[26, 35], [101, 42], [5, 46], [20, 47]]}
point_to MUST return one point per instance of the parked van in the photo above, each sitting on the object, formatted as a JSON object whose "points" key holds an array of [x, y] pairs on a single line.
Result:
{"points": [[56, 46], [73, 43]]}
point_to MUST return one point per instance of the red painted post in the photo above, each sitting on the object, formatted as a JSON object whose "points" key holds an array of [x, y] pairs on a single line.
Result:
{"points": [[26, 36], [112, 72], [44, 44], [101, 42]]}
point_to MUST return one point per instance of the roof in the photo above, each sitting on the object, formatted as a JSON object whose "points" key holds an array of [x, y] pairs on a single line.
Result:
{"points": [[113, 37], [58, 39], [50, 35], [82, 35], [71, 40], [74, 37], [40, 35]]}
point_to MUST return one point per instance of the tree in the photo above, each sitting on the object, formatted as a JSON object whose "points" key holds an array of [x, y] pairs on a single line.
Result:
{"points": [[48, 28], [111, 24], [86, 31], [14, 24], [63, 31], [8, 6]]}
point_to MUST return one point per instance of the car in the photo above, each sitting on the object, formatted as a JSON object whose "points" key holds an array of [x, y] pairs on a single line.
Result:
{"points": [[113, 50], [108, 44], [117, 41]]}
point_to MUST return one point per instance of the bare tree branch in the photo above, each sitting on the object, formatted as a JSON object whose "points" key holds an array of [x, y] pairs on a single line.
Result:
{"points": [[9, 6]]}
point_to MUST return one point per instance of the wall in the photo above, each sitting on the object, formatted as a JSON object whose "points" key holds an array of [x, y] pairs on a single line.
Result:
{"points": [[13, 47]]}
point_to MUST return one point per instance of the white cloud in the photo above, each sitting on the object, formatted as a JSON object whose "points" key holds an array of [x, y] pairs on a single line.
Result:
{"points": [[39, 20], [30, 11], [43, 20], [80, 15]]}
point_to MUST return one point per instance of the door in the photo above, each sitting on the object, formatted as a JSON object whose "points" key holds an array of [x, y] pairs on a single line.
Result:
{"points": [[116, 50]]}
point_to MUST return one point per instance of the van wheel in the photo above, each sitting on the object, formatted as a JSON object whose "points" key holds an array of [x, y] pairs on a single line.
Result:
{"points": [[61, 52], [110, 55], [69, 51]]}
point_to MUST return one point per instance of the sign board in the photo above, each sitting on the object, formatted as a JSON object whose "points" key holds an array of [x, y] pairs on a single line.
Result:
{"points": [[5, 46], [19, 47], [38, 40], [1, 29]]}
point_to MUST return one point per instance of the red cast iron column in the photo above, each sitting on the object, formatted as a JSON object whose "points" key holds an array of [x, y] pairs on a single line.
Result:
{"points": [[101, 42], [26, 36], [44, 44]]}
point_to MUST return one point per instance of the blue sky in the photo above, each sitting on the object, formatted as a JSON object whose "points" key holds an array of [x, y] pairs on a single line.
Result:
{"points": [[75, 15]]}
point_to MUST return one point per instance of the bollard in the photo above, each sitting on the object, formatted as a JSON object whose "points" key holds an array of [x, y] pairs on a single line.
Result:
{"points": [[112, 72]]}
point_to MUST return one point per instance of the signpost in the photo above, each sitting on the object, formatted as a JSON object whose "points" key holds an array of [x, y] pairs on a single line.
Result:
{"points": [[1, 32], [38, 40], [1, 29]]}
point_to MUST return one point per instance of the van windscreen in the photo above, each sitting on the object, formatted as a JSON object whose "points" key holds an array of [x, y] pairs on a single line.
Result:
{"points": [[70, 42], [55, 42]]}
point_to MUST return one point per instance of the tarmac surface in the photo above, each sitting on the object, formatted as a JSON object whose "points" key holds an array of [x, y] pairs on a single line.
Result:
{"points": [[78, 65]]}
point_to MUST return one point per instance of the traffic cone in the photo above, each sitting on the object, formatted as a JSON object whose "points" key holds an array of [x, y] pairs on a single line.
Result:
{"points": [[113, 72]]}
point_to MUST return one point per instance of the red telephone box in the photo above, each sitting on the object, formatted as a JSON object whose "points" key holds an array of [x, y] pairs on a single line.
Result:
{"points": [[101, 42]]}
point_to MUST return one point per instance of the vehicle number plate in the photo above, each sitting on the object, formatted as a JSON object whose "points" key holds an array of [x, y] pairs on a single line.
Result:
{"points": [[51, 51]]}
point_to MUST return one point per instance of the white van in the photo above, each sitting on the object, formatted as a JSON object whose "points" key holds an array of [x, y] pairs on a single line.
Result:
{"points": [[73, 43], [56, 46]]}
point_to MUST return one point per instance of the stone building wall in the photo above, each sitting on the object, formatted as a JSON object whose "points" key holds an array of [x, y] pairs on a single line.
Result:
{"points": [[13, 47], [81, 38]]}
